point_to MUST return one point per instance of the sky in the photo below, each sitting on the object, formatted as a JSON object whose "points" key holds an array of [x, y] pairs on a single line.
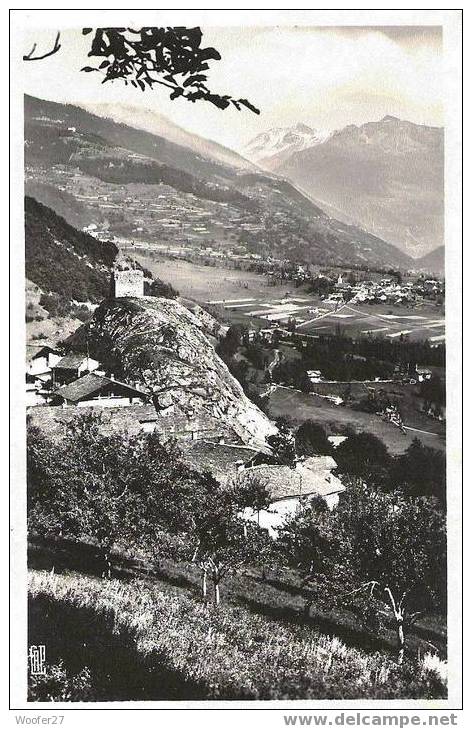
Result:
{"points": [[326, 77]]}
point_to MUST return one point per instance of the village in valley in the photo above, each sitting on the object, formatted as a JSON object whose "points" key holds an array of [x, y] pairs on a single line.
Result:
{"points": [[235, 400]]}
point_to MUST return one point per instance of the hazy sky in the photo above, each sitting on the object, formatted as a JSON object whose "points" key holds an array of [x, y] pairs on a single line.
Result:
{"points": [[324, 77]]}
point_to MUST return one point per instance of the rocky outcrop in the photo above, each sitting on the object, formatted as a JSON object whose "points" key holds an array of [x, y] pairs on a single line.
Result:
{"points": [[165, 347]]}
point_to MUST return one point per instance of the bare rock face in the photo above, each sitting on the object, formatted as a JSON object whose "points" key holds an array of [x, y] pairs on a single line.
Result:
{"points": [[164, 347]]}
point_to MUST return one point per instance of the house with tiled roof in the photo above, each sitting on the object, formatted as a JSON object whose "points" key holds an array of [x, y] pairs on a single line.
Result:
{"points": [[223, 460], [39, 366], [93, 390], [41, 362], [71, 367], [292, 488]]}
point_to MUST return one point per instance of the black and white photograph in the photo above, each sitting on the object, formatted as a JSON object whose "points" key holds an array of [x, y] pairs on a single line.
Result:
{"points": [[236, 261]]}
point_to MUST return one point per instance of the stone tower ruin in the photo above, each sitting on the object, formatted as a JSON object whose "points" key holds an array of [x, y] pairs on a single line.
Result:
{"points": [[127, 282]]}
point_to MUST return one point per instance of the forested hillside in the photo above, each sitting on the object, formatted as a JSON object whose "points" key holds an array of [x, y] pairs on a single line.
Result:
{"points": [[62, 260]]}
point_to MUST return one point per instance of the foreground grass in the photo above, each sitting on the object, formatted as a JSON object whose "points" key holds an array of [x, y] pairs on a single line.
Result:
{"points": [[116, 640]]}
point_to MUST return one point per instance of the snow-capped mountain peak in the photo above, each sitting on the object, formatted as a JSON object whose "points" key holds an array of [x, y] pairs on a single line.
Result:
{"points": [[283, 141]]}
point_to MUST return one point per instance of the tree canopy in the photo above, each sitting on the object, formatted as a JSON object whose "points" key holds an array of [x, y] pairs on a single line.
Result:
{"points": [[311, 439], [383, 549], [143, 57]]}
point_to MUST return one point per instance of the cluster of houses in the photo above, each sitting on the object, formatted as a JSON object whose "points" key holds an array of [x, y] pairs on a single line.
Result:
{"points": [[75, 380], [291, 487], [386, 291], [59, 386]]}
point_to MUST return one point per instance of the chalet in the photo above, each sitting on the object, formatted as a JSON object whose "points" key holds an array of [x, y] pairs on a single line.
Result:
{"points": [[418, 374], [314, 376], [171, 422], [36, 392], [41, 363], [310, 479], [71, 367], [93, 390]]}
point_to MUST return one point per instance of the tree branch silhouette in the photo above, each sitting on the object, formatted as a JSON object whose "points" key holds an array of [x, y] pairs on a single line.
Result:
{"points": [[56, 47], [145, 57]]}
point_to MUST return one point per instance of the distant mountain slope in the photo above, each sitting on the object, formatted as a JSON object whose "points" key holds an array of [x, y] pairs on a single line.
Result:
{"points": [[160, 125], [62, 202], [62, 133], [433, 262], [111, 170], [61, 260], [385, 176]]}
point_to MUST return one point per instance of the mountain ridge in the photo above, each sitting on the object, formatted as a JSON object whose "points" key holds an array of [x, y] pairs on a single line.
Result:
{"points": [[278, 143], [159, 125], [385, 176], [67, 148], [434, 261], [62, 260]]}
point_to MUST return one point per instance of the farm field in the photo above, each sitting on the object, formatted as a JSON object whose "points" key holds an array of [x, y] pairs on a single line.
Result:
{"points": [[245, 297], [207, 283], [298, 406], [314, 316], [421, 322]]}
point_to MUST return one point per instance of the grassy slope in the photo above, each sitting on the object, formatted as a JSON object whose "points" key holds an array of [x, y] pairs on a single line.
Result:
{"points": [[298, 406], [174, 646]]}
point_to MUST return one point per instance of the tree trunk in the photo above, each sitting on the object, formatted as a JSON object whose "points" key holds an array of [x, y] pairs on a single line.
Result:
{"points": [[204, 584], [107, 571], [217, 594], [399, 614], [400, 640]]}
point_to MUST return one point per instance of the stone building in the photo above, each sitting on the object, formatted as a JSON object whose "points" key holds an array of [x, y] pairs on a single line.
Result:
{"points": [[127, 282]]}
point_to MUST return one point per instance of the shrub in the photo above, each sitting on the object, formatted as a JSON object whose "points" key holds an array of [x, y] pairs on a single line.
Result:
{"points": [[160, 288], [311, 439], [59, 685]]}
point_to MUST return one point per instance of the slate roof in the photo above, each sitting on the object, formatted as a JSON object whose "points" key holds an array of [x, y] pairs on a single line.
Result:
{"points": [[303, 480], [320, 463], [219, 459], [45, 350], [91, 384], [70, 361]]}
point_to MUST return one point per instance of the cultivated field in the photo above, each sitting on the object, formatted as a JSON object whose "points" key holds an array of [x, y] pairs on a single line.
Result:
{"points": [[207, 283], [298, 406], [246, 297], [314, 316]]}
